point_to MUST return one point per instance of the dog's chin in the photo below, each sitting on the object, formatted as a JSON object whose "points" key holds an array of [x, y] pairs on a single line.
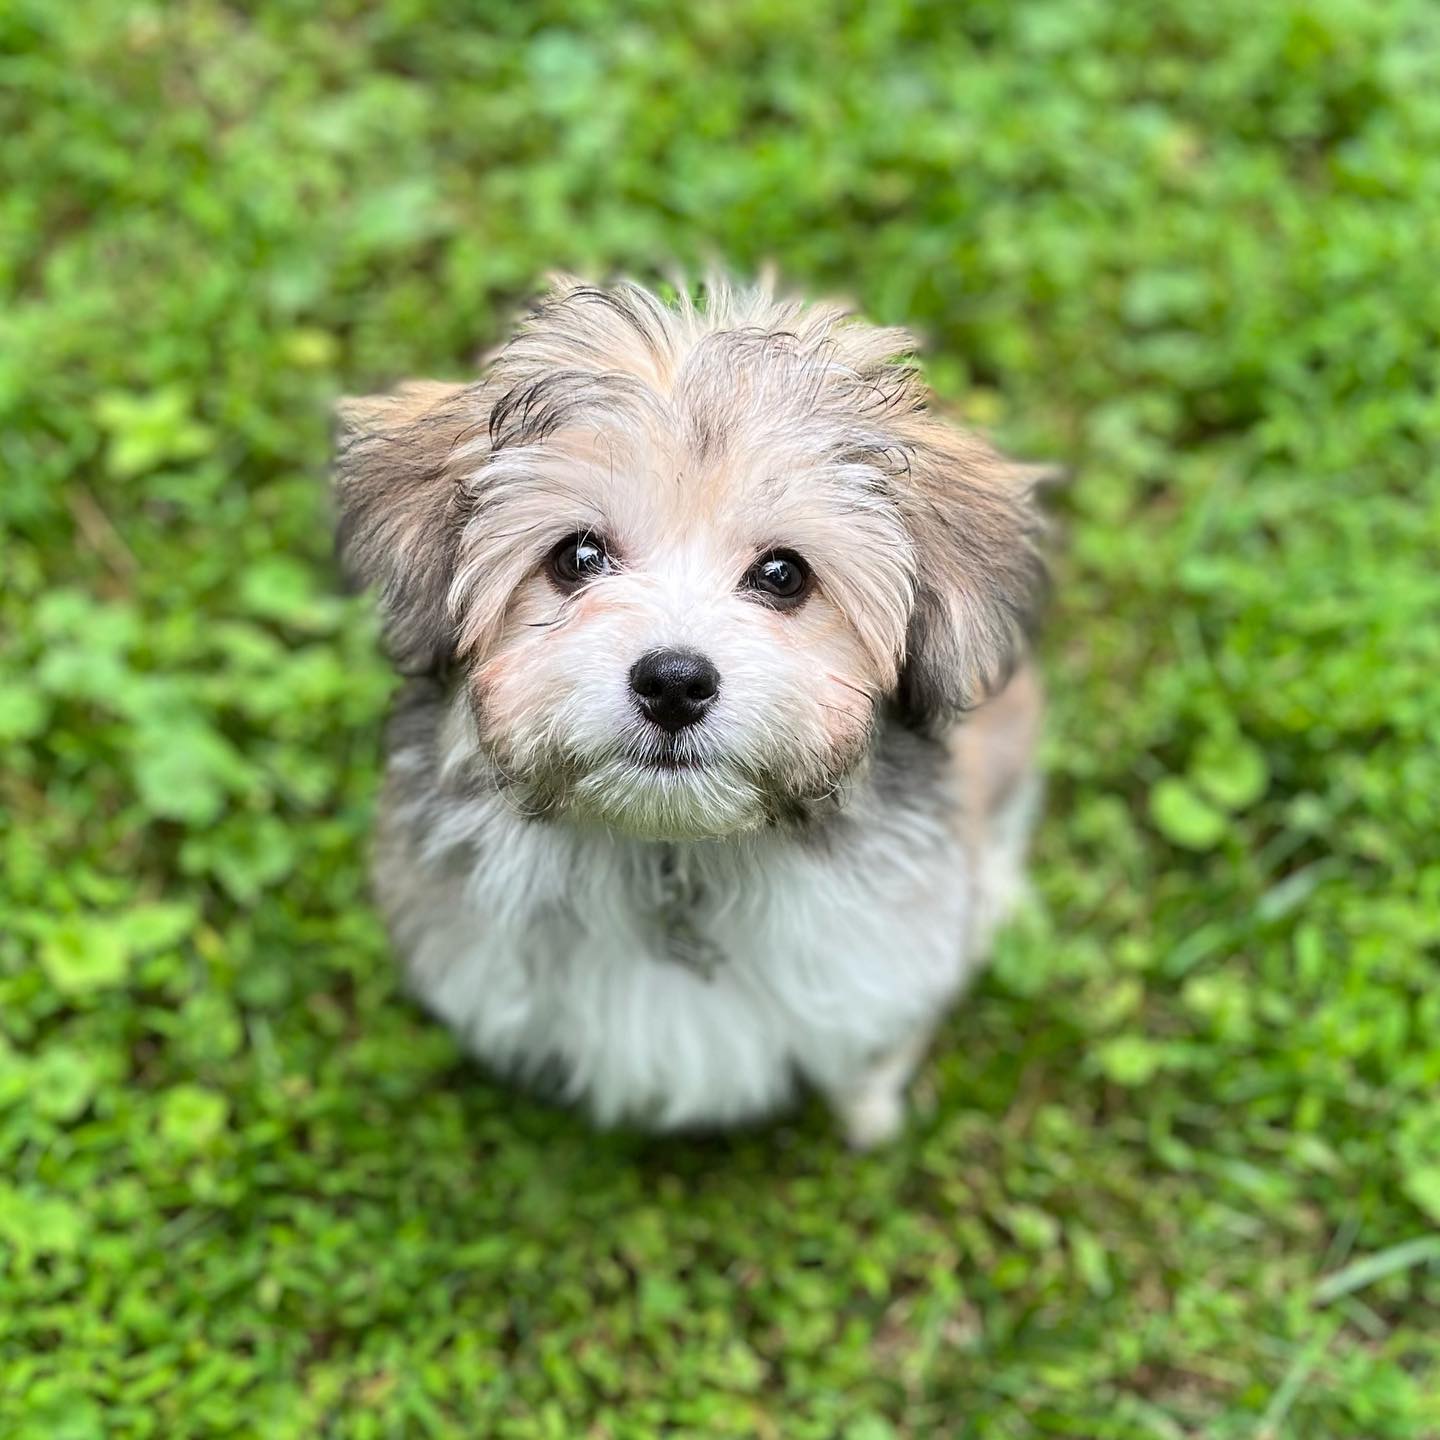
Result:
{"points": [[667, 799], [672, 792]]}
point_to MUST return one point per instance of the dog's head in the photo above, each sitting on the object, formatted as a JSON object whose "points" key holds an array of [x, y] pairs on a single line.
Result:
{"points": [[683, 557]]}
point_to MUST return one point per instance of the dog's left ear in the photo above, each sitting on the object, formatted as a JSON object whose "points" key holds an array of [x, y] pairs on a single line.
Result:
{"points": [[980, 578], [401, 509]]}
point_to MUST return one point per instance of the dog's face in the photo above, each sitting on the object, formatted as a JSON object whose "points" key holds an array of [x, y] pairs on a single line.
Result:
{"points": [[696, 643], [685, 559]]}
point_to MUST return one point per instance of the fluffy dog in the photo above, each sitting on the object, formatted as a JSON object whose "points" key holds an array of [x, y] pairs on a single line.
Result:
{"points": [[714, 769]]}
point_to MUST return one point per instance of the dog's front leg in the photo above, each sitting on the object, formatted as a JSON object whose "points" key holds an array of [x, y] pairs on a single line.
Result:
{"points": [[871, 1105]]}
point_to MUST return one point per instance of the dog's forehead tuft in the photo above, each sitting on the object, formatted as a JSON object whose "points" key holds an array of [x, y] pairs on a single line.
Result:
{"points": [[741, 364]]}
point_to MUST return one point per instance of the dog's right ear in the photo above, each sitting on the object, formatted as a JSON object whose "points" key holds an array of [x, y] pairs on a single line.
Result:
{"points": [[980, 576], [400, 501]]}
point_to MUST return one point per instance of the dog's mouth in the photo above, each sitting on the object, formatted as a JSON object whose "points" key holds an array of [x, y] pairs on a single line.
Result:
{"points": [[666, 759]]}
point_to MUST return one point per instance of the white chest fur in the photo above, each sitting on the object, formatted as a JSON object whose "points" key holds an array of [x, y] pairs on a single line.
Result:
{"points": [[680, 985]]}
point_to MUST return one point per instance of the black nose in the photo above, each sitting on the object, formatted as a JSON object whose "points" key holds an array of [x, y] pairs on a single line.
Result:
{"points": [[674, 687]]}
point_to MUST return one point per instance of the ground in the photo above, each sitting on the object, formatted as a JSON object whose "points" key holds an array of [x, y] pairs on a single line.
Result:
{"points": [[1175, 1168]]}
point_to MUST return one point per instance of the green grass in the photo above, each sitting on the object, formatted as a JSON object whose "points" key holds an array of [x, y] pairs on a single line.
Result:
{"points": [[1176, 1167]]}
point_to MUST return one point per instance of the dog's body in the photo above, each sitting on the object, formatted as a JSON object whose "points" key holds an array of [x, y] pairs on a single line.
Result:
{"points": [[680, 815]]}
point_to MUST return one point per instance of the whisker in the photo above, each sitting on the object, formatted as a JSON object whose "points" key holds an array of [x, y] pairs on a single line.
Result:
{"points": [[859, 690]]}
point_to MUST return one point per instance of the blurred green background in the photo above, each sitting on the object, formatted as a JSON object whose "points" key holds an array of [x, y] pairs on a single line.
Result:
{"points": [[1176, 1167]]}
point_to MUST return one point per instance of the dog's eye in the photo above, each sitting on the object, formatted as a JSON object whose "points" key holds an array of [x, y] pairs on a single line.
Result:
{"points": [[781, 577], [579, 558]]}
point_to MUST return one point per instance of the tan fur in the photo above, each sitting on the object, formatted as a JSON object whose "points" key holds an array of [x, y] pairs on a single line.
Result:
{"points": [[994, 751]]}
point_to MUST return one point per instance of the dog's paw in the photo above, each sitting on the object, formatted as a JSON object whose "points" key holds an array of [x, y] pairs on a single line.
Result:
{"points": [[872, 1118]]}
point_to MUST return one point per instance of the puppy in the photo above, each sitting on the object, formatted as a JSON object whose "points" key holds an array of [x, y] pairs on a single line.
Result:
{"points": [[714, 770]]}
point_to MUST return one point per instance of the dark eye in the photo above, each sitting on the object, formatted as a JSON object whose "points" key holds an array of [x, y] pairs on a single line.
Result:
{"points": [[781, 577], [579, 558]]}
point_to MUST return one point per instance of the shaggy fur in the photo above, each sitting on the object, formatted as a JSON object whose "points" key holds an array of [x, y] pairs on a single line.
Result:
{"points": [[673, 929]]}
